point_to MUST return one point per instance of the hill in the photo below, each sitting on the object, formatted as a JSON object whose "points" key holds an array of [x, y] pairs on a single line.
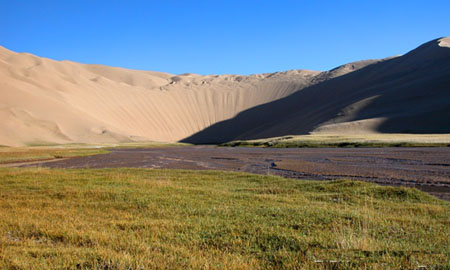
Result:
{"points": [[404, 94], [46, 101], [43, 101]]}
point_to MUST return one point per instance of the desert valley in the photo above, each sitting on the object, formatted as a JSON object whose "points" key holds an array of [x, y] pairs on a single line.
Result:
{"points": [[108, 168]]}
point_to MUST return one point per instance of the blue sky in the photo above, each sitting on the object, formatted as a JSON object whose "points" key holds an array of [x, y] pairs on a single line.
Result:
{"points": [[220, 37]]}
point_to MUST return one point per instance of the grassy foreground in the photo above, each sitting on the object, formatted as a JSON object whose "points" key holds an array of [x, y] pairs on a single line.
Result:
{"points": [[172, 219], [364, 140]]}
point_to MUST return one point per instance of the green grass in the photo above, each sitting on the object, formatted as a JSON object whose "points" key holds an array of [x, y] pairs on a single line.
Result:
{"points": [[173, 219], [10, 155], [366, 140], [146, 145], [30, 154]]}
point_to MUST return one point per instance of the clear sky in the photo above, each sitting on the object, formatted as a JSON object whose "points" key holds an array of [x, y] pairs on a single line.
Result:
{"points": [[218, 37]]}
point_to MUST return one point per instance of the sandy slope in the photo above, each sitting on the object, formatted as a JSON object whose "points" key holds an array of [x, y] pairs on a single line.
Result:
{"points": [[405, 94], [47, 101]]}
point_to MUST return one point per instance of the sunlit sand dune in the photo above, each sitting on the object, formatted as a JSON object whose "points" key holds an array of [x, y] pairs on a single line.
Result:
{"points": [[46, 101]]}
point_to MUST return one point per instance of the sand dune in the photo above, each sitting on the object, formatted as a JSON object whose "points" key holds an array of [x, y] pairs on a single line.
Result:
{"points": [[46, 101], [405, 94]]}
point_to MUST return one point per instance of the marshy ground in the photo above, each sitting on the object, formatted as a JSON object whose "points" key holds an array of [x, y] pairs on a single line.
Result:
{"points": [[426, 168]]}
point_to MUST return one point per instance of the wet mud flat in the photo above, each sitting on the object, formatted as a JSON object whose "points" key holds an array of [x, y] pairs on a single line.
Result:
{"points": [[427, 169]]}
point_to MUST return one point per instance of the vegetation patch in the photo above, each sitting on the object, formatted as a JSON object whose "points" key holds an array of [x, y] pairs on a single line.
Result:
{"points": [[29, 154], [174, 219], [10, 155], [349, 141]]}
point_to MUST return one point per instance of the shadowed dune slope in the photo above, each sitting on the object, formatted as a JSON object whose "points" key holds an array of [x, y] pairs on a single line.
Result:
{"points": [[405, 94]]}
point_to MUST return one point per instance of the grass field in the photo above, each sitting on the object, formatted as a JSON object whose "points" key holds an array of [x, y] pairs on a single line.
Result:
{"points": [[171, 219], [30, 154], [365, 140], [36, 153]]}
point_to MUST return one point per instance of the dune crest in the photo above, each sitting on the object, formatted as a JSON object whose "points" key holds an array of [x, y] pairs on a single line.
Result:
{"points": [[444, 42]]}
